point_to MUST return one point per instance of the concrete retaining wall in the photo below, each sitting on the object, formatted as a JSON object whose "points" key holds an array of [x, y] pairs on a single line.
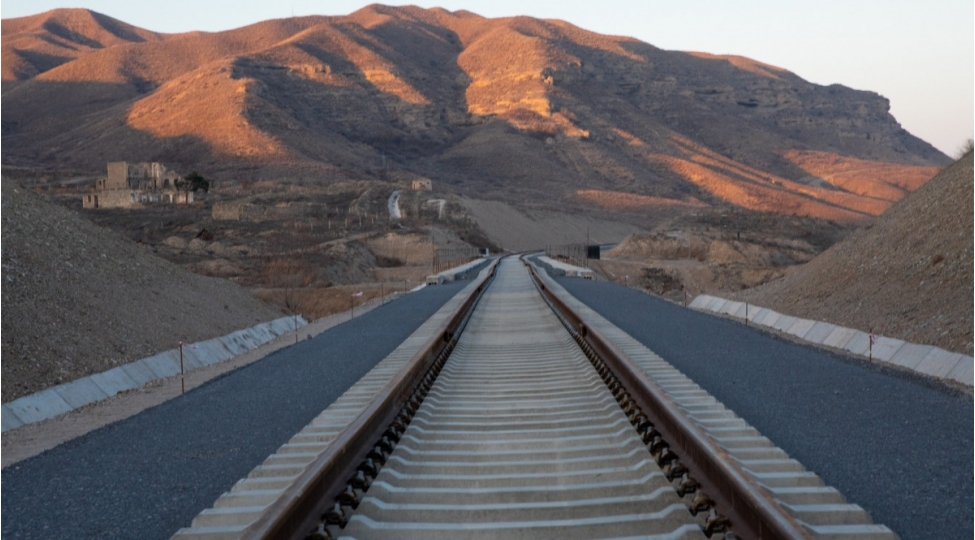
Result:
{"points": [[78, 393], [925, 359]]}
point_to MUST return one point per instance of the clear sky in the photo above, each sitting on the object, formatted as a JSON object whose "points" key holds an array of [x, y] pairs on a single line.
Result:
{"points": [[918, 54]]}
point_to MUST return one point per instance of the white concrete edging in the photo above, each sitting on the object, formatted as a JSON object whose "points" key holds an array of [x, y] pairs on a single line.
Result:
{"points": [[927, 360], [569, 269], [451, 273], [66, 397]]}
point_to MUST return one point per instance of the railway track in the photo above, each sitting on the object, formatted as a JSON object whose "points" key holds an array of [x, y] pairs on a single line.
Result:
{"points": [[526, 415]]}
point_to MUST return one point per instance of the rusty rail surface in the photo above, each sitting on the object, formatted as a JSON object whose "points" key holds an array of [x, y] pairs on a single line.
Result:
{"points": [[298, 510], [750, 512]]}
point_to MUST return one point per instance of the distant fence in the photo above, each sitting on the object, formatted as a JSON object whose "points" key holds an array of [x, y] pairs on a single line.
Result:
{"points": [[447, 258]]}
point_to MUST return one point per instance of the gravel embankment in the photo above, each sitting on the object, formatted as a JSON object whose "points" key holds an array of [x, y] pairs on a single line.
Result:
{"points": [[79, 299], [909, 274], [149, 475], [895, 444]]}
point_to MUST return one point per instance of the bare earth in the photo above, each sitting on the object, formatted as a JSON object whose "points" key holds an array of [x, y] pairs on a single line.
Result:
{"points": [[715, 251], [78, 299], [907, 275], [518, 230]]}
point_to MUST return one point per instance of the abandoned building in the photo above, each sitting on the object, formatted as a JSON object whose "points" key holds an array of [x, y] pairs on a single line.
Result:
{"points": [[422, 184], [132, 185]]}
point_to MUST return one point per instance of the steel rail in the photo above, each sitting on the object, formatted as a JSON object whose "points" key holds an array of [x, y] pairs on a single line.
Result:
{"points": [[750, 511], [299, 508], [518, 437]]}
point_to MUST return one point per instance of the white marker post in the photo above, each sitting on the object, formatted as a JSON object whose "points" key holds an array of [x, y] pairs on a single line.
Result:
{"points": [[182, 378], [353, 302]]}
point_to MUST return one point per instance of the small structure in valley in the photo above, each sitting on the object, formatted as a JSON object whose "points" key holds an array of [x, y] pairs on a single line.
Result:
{"points": [[422, 184], [132, 185]]}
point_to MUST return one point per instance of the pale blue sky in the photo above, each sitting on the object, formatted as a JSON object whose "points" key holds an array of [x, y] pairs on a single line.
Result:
{"points": [[920, 55]]}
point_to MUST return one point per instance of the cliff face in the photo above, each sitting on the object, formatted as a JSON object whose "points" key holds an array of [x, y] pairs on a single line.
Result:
{"points": [[516, 108]]}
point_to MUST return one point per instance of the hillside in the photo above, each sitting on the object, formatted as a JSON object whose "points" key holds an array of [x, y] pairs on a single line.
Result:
{"points": [[39, 43], [716, 251], [513, 109], [78, 299], [908, 274]]}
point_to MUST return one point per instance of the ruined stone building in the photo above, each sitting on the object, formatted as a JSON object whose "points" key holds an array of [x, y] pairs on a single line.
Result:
{"points": [[132, 185]]}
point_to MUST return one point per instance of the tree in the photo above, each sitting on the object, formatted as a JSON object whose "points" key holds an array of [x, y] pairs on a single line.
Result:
{"points": [[966, 148], [193, 182]]}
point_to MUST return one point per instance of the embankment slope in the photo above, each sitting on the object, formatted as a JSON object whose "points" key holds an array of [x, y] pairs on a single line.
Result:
{"points": [[908, 274], [78, 299]]}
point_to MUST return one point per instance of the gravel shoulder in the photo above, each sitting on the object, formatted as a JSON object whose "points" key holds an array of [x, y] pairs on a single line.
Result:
{"points": [[896, 444], [32, 439], [154, 471]]}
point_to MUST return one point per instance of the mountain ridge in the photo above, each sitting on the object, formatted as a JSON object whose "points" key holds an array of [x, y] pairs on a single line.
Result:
{"points": [[508, 108]]}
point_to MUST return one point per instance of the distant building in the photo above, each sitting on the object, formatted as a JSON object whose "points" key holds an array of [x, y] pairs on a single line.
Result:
{"points": [[422, 184], [132, 185]]}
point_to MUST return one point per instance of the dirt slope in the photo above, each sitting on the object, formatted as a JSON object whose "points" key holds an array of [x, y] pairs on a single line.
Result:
{"points": [[522, 230], [907, 275], [514, 109], [78, 299]]}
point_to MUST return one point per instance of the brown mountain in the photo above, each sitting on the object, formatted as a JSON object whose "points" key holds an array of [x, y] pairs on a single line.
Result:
{"points": [[33, 45], [514, 108], [908, 274]]}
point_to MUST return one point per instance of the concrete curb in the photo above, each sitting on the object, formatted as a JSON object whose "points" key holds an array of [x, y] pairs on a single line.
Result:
{"points": [[569, 269], [924, 359], [451, 274], [66, 397]]}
